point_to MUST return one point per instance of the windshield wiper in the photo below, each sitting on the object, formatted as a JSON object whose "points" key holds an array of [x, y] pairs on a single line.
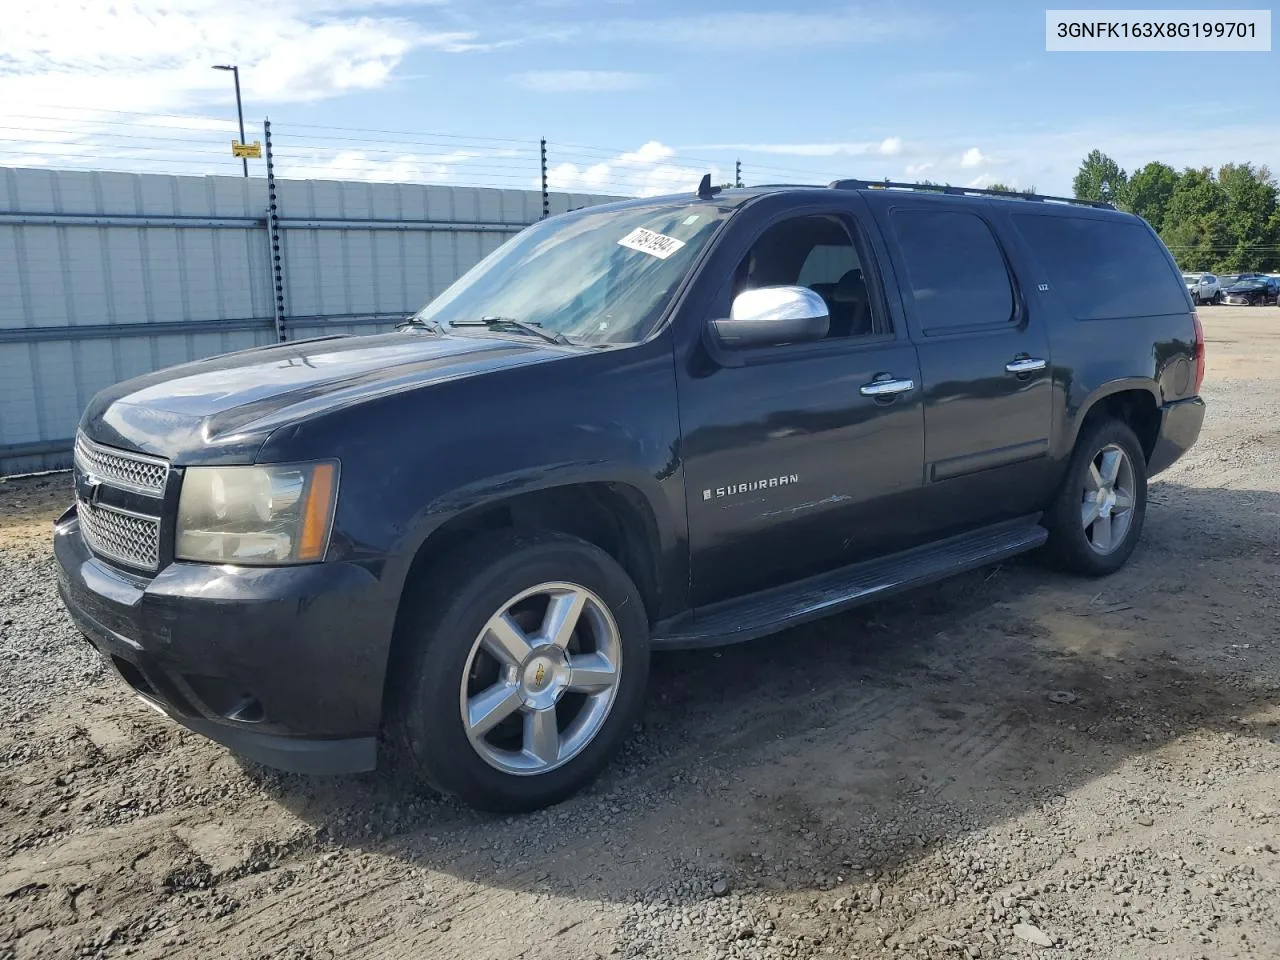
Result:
{"points": [[523, 326], [416, 322]]}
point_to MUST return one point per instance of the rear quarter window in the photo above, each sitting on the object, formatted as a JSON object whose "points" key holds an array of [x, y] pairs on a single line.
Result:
{"points": [[1104, 269]]}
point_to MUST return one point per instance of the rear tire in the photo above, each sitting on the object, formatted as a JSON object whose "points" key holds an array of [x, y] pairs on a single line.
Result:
{"points": [[1096, 519], [526, 665]]}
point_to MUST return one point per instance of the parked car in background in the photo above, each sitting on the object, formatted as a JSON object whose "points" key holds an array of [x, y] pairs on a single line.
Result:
{"points": [[1253, 291], [1203, 287]]}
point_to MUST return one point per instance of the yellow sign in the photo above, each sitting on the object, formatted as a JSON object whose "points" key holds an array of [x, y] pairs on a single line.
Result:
{"points": [[239, 149]]}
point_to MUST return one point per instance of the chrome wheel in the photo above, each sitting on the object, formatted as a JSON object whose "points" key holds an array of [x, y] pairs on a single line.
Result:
{"points": [[541, 678], [1106, 510]]}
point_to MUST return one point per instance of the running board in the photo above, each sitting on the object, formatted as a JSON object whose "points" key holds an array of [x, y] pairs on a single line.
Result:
{"points": [[745, 618]]}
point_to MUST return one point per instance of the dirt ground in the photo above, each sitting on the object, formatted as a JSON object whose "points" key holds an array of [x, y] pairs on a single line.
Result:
{"points": [[1013, 762]]}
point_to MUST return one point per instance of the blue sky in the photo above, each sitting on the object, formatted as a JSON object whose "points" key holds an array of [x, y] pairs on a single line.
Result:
{"points": [[656, 91]]}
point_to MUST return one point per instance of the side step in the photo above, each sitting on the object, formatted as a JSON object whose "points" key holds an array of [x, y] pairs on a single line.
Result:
{"points": [[745, 618]]}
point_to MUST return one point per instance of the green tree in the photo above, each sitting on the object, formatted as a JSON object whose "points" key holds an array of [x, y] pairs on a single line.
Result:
{"points": [[1100, 178], [1195, 221], [1005, 188], [1249, 217], [1149, 192]]}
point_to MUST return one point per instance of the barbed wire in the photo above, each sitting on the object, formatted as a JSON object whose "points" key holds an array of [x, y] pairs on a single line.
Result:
{"points": [[67, 137]]}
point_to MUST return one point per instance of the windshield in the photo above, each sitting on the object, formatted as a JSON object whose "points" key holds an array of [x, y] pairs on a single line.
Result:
{"points": [[602, 275], [1190, 279]]}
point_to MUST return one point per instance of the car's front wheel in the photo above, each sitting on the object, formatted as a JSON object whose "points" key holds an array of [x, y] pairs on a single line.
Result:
{"points": [[527, 659], [1096, 519]]}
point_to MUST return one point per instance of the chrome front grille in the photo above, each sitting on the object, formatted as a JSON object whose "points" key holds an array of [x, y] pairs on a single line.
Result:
{"points": [[127, 536], [121, 535], [121, 468]]}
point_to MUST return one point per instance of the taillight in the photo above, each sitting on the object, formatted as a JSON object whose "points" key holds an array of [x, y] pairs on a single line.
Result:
{"points": [[1199, 352]]}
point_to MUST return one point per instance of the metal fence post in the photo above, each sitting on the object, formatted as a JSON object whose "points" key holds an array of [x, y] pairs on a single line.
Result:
{"points": [[546, 197], [273, 237]]}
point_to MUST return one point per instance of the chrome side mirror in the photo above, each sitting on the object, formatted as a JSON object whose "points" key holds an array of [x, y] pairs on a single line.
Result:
{"points": [[772, 316]]}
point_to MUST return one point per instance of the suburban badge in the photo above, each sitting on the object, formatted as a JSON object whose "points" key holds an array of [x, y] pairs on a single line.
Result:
{"points": [[750, 486]]}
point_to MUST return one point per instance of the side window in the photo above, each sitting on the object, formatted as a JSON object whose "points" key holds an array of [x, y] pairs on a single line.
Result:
{"points": [[817, 252], [826, 264], [1103, 269], [957, 273]]}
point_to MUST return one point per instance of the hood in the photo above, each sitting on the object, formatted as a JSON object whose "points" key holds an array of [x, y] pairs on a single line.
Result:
{"points": [[222, 409]]}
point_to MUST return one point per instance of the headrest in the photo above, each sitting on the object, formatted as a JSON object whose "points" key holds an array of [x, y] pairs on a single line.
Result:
{"points": [[851, 287]]}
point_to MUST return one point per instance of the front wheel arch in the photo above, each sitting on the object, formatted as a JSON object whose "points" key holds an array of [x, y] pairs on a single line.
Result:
{"points": [[449, 616]]}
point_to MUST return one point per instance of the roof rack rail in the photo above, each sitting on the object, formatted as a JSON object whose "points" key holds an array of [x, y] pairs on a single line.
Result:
{"points": [[963, 192]]}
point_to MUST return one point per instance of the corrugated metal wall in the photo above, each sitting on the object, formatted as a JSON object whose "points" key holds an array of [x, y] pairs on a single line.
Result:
{"points": [[104, 276]]}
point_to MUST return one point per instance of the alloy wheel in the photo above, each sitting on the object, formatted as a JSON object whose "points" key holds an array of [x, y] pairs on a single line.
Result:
{"points": [[1106, 509], [541, 678]]}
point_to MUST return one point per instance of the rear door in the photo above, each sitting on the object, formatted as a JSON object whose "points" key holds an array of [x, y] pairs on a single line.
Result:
{"points": [[984, 361]]}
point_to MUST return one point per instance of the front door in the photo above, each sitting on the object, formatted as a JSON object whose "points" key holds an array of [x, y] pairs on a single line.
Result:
{"points": [[984, 363], [795, 462]]}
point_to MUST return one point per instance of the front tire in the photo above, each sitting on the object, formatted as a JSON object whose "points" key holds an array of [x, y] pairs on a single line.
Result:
{"points": [[528, 656], [1096, 519]]}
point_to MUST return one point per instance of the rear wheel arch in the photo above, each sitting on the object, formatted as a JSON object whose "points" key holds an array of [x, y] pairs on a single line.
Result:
{"points": [[1135, 403]]}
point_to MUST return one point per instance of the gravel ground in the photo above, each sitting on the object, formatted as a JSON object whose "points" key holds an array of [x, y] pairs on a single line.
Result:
{"points": [[1009, 764]]}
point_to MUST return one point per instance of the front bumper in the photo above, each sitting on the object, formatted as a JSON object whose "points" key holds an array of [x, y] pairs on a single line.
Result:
{"points": [[1180, 424], [284, 665]]}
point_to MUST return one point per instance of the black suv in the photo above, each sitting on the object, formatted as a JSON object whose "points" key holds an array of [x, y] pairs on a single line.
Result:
{"points": [[661, 423]]}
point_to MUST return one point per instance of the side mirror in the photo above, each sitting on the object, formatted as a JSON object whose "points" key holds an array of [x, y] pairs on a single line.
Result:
{"points": [[772, 316]]}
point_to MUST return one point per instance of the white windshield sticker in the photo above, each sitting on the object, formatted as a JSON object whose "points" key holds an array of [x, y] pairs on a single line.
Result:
{"points": [[692, 218], [655, 244]]}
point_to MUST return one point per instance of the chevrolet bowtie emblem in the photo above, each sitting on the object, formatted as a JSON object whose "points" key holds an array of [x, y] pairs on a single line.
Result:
{"points": [[92, 487]]}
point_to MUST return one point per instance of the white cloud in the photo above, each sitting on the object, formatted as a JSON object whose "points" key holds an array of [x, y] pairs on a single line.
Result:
{"points": [[650, 152], [915, 169], [1049, 157], [390, 162], [973, 157], [583, 81], [381, 166], [651, 170], [155, 55], [751, 31], [890, 146], [981, 180]]}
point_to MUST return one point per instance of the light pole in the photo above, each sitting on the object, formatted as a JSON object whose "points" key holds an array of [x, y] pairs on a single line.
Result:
{"points": [[235, 72]]}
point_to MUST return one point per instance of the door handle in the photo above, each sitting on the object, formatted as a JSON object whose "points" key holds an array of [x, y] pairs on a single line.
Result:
{"points": [[886, 388], [1025, 365]]}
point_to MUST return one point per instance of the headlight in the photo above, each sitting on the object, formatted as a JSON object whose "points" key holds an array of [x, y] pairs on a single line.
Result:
{"points": [[269, 514]]}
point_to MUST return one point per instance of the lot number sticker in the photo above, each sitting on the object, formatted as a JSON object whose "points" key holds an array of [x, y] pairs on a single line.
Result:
{"points": [[655, 244]]}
